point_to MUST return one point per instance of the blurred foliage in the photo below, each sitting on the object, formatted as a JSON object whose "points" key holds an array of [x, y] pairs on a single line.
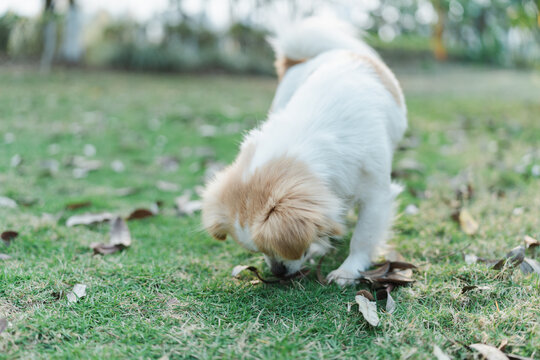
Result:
{"points": [[7, 22], [502, 32]]}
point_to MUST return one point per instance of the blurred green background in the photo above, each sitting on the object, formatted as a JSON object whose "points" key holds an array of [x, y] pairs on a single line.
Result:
{"points": [[229, 35]]}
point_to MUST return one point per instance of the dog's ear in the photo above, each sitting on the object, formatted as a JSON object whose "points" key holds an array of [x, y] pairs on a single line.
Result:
{"points": [[289, 226]]}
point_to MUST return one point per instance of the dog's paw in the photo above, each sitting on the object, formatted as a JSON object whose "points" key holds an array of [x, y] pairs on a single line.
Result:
{"points": [[342, 277]]}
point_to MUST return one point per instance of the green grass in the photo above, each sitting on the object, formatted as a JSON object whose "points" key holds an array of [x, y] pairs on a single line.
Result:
{"points": [[171, 293]]}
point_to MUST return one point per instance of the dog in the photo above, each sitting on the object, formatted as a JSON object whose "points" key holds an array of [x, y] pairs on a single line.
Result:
{"points": [[326, 147]]}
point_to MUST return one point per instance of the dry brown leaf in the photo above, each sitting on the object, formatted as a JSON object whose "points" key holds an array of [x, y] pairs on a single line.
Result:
{"points": [[79, 291], [366, 294], [439, 354], [489, 352], [138, 214], [89, 219], [530, 242], [468, 288], [119, 233], [105, 249], [3, 325], [368, 309], [8, 235], [239, 268], [78, 205], [390, 303], [466, 222], [120, 239], [390, 272]]}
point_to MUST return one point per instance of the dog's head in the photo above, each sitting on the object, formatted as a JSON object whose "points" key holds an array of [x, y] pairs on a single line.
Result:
{"points": [[280, 209]]}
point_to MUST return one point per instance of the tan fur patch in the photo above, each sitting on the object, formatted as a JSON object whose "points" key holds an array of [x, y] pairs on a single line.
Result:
{"points": [[283, 63], [385, 75], [282, 202]]}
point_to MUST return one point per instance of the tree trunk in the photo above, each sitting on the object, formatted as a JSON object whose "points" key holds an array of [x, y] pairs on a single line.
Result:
{"points": [[49, 36], [71, 45]]}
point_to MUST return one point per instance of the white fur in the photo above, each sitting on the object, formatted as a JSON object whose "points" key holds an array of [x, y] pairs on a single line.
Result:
{"points": [[334, 114]]}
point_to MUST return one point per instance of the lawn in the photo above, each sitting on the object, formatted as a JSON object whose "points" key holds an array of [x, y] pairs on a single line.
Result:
{"points": [[171, 294]]}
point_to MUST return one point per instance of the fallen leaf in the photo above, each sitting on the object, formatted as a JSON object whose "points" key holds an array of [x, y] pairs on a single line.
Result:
{"points": [[390, 272], [366, 294], [239, 268], [88, 219], [79, 291], [105, 249], [390, 303], [489, 352], [185, 206], [78, 205], [368, 309], [467, 223], [16, 160], [119, 239], [530, 242], [4, 257], [7, 202], [516, 255], [439, 354], [529, 266], [119, 233], [167, 186], [468, 288], [3, 325], [9, 235], [140, 214]]}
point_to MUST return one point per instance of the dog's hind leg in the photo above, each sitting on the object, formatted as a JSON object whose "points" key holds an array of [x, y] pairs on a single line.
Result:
{"points": [[374, 220]]}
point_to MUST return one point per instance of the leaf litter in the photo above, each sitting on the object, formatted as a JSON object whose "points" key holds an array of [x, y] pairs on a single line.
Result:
{"points": [[368, 309], [240, 268], [78, 292], [119, 239], [8, 235], [89, 219], [78, 205], [466, 222]]}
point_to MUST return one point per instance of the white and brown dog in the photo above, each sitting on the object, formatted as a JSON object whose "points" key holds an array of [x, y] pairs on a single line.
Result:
{"points": [[326, 146]]}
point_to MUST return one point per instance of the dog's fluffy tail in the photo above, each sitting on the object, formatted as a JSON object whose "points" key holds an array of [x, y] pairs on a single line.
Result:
{"points": [[311, 37]]}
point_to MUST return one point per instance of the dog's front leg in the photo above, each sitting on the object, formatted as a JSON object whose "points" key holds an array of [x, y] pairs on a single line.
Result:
{"points": [[371, 229]]}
